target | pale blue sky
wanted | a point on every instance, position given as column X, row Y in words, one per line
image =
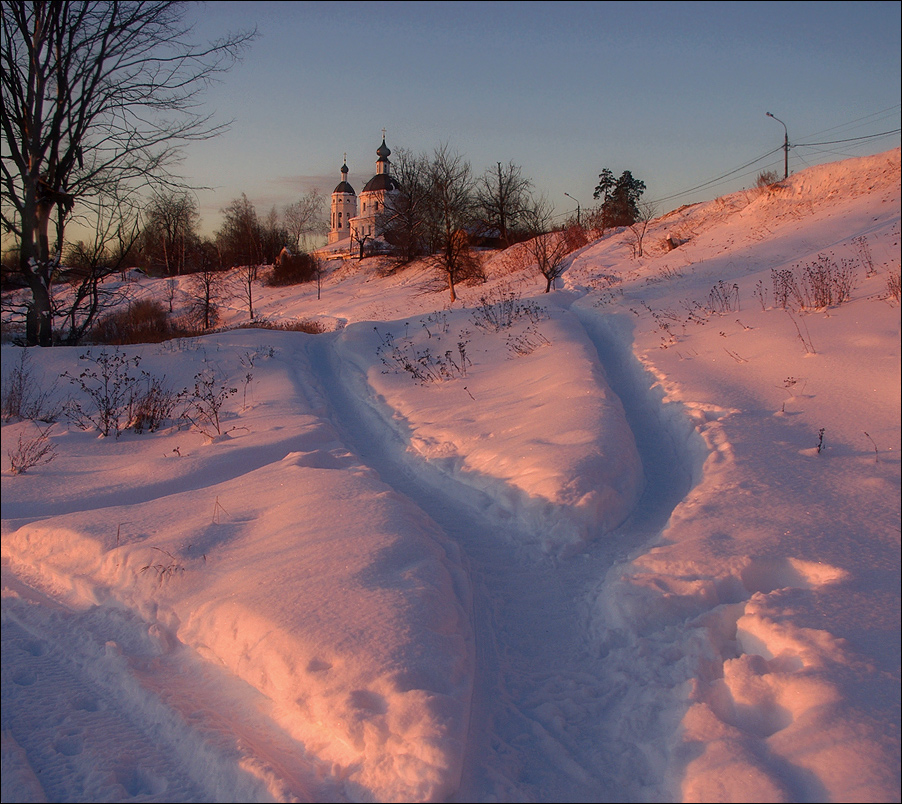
column 675, row 92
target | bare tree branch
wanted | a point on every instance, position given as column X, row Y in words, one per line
column 98, row 99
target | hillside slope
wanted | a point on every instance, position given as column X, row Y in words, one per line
column 640, row 542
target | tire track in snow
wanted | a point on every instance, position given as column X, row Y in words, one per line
column 543, row 697
column 101, row 701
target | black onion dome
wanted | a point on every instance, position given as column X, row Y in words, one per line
column 343, row 186
column 382, row 151
column 382, row 181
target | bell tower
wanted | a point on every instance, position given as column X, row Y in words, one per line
column 343, row 208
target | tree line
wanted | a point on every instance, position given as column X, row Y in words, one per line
column 169, row 243
column 441, row 209
column 99, row 99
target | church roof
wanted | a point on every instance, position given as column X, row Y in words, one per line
column 343, row 187
column 381, row 181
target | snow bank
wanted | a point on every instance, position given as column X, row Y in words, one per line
column 275, row 554
column 751, row 673
column 522, row 414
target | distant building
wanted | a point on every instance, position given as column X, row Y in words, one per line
column 350, row 222
column 344, row 207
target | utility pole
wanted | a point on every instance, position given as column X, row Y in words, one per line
column 785, row 145
column 578, row 223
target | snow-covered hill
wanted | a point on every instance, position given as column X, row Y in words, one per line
column 637, row 539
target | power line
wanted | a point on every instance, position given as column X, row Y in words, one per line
column 792, row 145
column 733, row 172
column 719, row 178
column 852, row 139
column 868, row 117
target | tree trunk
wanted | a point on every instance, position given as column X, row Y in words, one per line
column 37, row 269
column 39, row 320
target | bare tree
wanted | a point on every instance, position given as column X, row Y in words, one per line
column 273, row 237
column 404, row 220
column 240, row 240
column 503, row 199
column 98, row 98
column 449, row 206
column 319, row 271
column 645, row 215
column 89, row 264
column 205, row 289
column 361, row 239
column 170, row 229
column 172, row 286
column 244, row 279
column 304, row 218
column 546, row 248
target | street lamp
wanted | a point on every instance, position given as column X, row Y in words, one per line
column 578, row 223
column 785, row 146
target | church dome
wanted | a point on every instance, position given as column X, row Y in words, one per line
column 382, row 151
column 381, row 181
column 343, row 186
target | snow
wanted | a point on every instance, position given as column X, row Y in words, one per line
column 639, row 542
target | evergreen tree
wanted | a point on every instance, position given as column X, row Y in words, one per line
column 619, row 198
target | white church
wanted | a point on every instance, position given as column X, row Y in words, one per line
column 354, row 219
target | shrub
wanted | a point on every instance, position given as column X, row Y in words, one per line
column 767, row 178
column 526, row 342
column 145, row 321
column 205, row 403
column 724, row 298
column 31, row 451
column 109, row 384
column 826, row 284
column 864, row 255
column 22, row 396
column 421, row 363
column 822, row 283
column 166, row 567
column 575, row 237
column 785, row 287
column 500, row 309
column 118, row 397
column 292, row 269
column 150, row 409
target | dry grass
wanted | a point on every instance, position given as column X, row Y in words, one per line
column 310, row 327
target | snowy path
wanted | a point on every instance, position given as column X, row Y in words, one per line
column 101, row 702
column 90, row 703
column 541, row 725
column 553, row 718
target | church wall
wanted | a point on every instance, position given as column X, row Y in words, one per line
column 344, row 208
